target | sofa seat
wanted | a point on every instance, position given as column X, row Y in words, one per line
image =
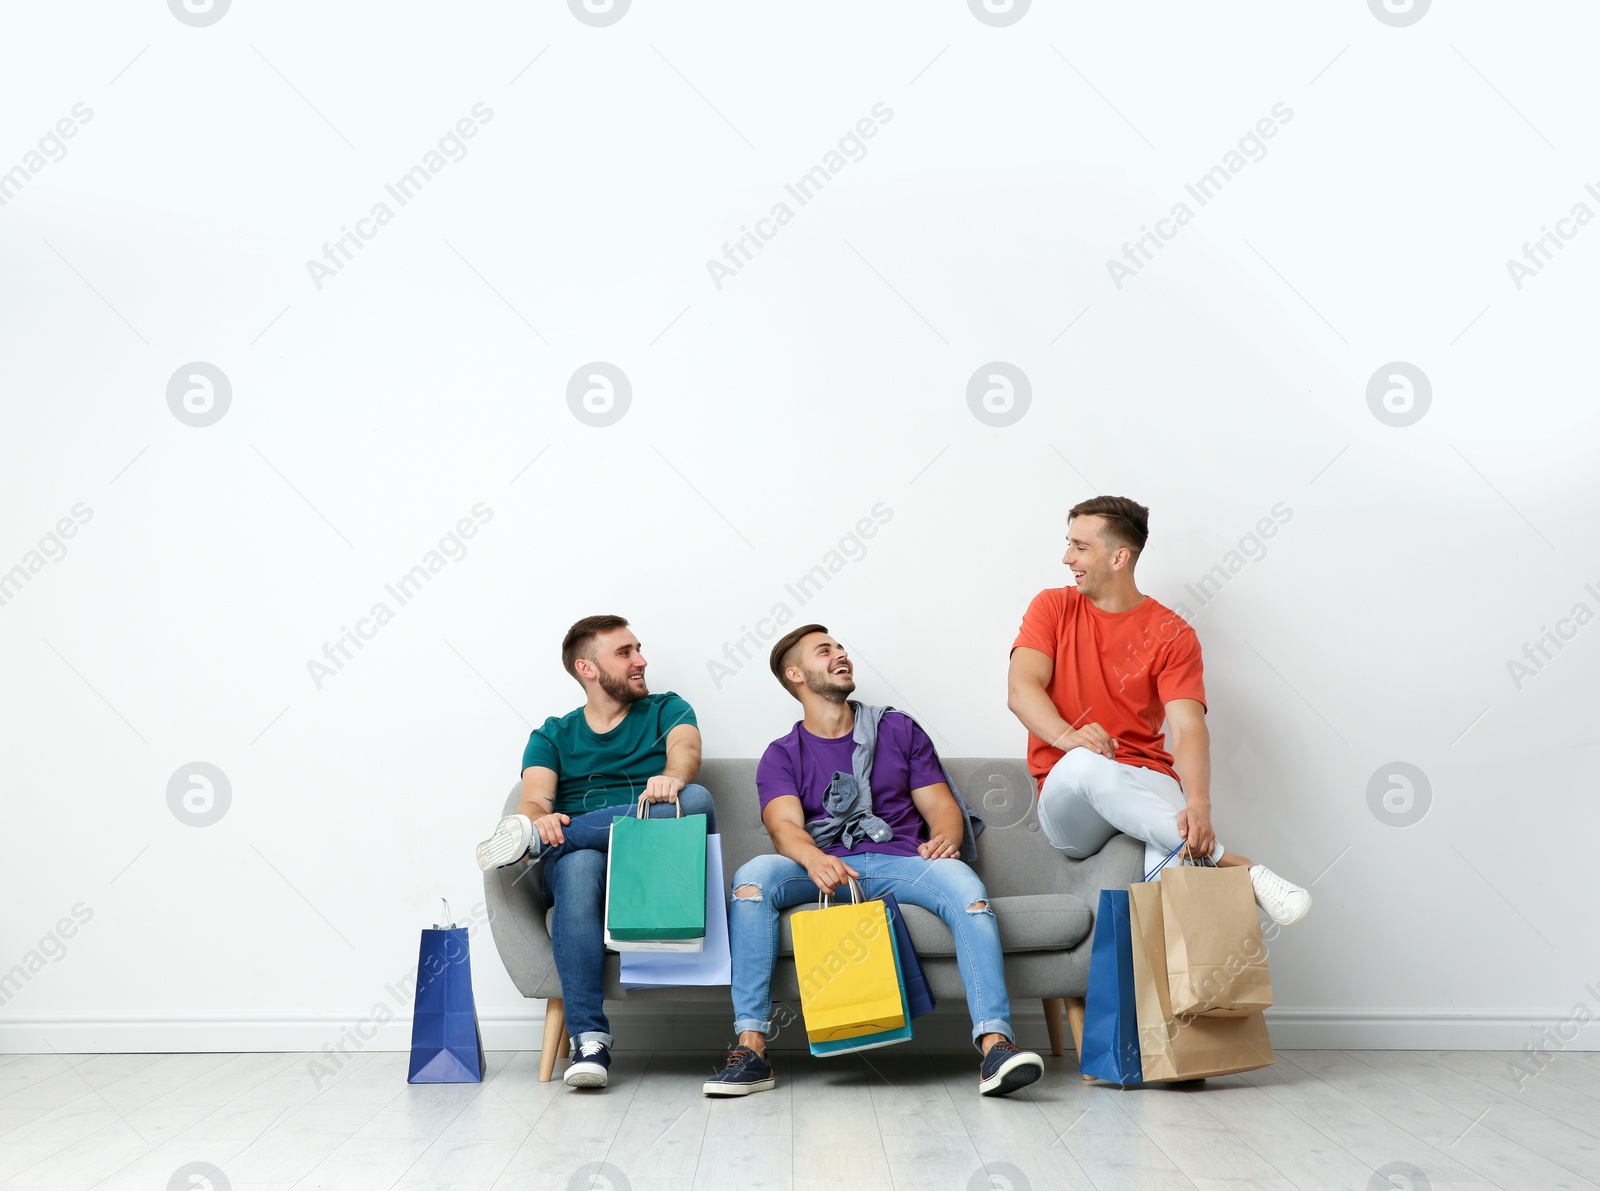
column 1028, row 922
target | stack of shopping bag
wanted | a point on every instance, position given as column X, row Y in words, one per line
column 656, row 883
column 711, row 967
column 1177, row 978
column 860, row 980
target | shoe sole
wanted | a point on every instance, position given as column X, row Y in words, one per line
column 1014, row 1075
column 502, row 848
column 713, row 1088
column 1304, row 910
column 585, row 1075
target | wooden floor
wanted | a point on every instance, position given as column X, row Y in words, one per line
column 1319, row 1119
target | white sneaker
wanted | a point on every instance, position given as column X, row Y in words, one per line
column 1284, row 903
column 508, row 844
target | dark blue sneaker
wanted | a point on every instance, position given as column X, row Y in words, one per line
column 1005, row 1069
column 746, row 1072
column 590, row 1064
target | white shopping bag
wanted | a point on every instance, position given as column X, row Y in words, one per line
column 714, row 965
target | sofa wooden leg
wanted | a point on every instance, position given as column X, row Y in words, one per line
column 1052, row 1023
column 1075, row 1021
column 565, row 1049
column 555, row 1033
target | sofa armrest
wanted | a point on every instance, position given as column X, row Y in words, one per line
column 517, row 919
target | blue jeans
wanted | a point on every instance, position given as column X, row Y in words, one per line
column 947, row 887
column 575, row 885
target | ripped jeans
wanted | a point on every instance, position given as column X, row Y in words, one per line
column 946, row 887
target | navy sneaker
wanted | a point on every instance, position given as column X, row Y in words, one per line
column 590, row 1064
column 1006, row 1069
column 746, row 1072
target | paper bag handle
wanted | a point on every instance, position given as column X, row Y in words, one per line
column 1188, row 858
column 856, row 898
column 446, row 922
column 639, row 811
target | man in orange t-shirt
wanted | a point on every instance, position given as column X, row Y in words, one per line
column 1095, row 670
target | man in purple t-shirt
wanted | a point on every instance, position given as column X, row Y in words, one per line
column 907, row 842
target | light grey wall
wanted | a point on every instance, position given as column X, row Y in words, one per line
column 379, row 410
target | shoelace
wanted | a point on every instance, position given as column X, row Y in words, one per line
column 589, row 1049
column 737, row 1055
column 1271, row 885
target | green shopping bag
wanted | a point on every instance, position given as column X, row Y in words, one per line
column 656, row 879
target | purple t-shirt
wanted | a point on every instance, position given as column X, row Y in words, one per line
column 803, row 764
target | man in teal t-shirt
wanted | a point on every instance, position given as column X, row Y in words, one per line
column 594, row 769
column 579, row 772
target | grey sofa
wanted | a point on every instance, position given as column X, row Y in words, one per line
column 1043, row 902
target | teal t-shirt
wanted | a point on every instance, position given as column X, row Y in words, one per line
column 595, row 769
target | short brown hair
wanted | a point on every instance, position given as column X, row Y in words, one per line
column 582, row 634
column 1127, row 521
column 779, row 659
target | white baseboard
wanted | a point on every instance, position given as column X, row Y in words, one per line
column 663, row 1027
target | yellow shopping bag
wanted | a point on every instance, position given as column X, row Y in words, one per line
column 844, row 957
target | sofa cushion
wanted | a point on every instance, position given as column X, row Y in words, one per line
column 1028, row 922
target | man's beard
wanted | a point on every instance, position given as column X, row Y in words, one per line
column 621, row 689
column 832, row 689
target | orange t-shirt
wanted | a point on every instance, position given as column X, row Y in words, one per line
column 1115, row 669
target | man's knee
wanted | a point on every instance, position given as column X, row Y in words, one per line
column 760, row 874
column 697, row 797
column 1077, row 768
column 960, row 886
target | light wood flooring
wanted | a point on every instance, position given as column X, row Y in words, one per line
column 1349, row 1120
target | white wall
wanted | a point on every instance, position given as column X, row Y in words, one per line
column 428, row 376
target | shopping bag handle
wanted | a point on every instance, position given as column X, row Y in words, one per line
column 826, row 899
column 446, row 922
column 1183, row 846
column 639, row 811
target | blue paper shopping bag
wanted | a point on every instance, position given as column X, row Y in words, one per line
column 1110, row 1023
column 446, row 1046
column 919, row 997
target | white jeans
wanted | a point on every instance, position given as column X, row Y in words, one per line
column 1086, row 799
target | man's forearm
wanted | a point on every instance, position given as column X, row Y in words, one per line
column 1032, row 705
column 795, row 842
column 947, row 821
column 1192, row 759
column 534, row 807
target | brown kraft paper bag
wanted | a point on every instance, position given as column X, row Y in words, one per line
column 1216, row 959
column 1171, row 1047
